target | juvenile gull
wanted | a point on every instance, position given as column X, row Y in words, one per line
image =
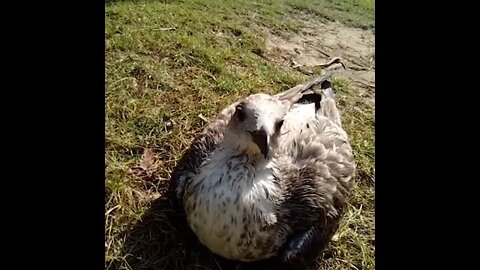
column 269, row 177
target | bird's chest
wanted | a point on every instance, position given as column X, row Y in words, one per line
column 231, row 208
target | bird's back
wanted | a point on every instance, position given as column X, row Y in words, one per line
column 314, row 162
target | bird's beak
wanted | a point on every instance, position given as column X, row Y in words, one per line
column 260, row 138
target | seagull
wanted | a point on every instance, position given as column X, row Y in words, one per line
column 270, row 177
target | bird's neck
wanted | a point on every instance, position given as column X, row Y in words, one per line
column 234, row 169
column 235, row 144
column 248, row 154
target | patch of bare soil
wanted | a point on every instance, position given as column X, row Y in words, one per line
column 318, row 43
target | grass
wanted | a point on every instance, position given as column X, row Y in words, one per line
column 358, row 13
column 159, row 80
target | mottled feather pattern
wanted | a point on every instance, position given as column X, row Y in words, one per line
column 235, row 219
column 317, row 166
column 288, row 207
column 199, row 152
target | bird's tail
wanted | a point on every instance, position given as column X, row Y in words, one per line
column 328, row 106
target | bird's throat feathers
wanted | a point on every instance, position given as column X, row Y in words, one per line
column 241, row 164
column 236, row 145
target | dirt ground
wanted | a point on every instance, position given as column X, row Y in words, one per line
column 319, row 42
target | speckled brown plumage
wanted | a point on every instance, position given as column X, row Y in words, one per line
column 249, row 204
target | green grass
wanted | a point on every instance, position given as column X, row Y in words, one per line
column 358, row 13
column 157, row 83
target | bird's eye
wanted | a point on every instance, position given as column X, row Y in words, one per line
column 278, row 125
column 240, row 113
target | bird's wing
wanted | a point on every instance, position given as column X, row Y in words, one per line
column 315, row 162
column 198, row 152
column 316, row 154
column 295, row 93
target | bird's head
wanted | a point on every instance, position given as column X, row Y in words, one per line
column 257, row 121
